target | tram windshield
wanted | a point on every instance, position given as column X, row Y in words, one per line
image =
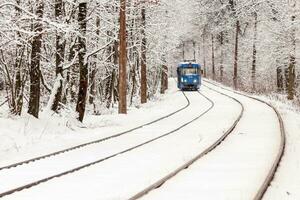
column 189, row 71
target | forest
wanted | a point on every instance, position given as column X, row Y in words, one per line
column 89, row 56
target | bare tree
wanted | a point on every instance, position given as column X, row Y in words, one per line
column 35, row 73
column 83, row 68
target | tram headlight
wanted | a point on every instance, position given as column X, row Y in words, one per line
column 181, row 79
column 195, row 81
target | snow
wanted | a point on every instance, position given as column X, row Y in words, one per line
column 286, row 184
column 128, row 173
column 234, row 170
column 54, row 91
column 26, row 137
column 237, row 168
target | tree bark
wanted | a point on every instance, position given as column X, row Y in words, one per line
column 83, row 80
column 222, row 56
column 204, row 59
column 19, row 82
column 292, row 61
column 253, row 74
column 59, row 56
column 34, row 98
column 122, row 60
column 143, row 60
column 213, row 57
column 164, row 79
column 235, row 67
column 93, row 68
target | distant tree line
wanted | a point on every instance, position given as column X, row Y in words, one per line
column 251, row 45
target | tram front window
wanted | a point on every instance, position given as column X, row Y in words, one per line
column 189, row 71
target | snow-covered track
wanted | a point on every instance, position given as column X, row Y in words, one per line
column 96, row 141
column 43, row 180
column 271, row 174
column 186, row 165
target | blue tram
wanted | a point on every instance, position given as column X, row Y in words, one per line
column 189, row 76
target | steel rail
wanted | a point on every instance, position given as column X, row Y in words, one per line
column 35, row 183
column 95, row 141
column 186, row 165
column 271, row 174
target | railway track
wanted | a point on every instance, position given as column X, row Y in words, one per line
column 186, row 165
column 271, row 174
column 43, row 180
column 96, row 141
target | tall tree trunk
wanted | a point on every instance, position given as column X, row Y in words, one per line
column 213, row 57
column 59, row 58
column 292, row 61
column 235, row 67
column 204, row 59
column 34, row 98
column 143, row 60
column 122, row 60
column 93, row 73
column 19, row 85
column 83, row 80
column 222, row 56
column 253, row 74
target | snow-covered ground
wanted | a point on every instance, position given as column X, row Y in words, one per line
column 237, row 168
column 124, row 175
column 234, row 170
column 286, row 185
column 26, row 137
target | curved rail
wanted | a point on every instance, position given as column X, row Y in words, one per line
column 27, row 186
column 95, row 141
column 161, row 181
column 271, row 174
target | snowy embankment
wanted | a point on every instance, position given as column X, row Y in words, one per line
column 286, row 185
column 26, row 137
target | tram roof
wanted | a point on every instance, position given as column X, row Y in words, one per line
column 188, row 64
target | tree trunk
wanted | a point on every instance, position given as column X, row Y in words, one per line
column 19, row 84
column 292, row 61
column 122, row 60
column 111, row 87
column 143, row 60
column 213, row 57
column 164, row 79
column 34, row 98
column 204, row 60
column 235, row 67
column 253, row 74
column 93, row 69
column 222, row 56
column 83, row 80
column 59, row 56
